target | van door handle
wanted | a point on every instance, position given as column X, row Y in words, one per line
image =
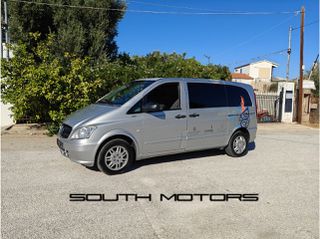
column 194, row 115
column 180, row 116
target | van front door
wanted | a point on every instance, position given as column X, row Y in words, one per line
column 164, row 120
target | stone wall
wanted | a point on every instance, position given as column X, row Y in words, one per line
column 314, row 110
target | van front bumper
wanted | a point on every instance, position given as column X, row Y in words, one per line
column 77, row 150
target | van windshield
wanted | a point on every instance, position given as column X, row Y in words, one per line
column 121, row 95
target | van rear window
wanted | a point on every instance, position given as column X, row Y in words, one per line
column 234, row 95
column 206, row 95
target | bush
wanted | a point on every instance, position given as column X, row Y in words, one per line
column 273, row 87
column 315, row 78
column 45, row 88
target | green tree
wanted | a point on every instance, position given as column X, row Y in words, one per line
column 85, row 32
column 40, row 86
column 158, row 64
column 315, row 78
column 46, row 88
column 155, row 65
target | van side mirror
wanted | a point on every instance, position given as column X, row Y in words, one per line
column 151, row 107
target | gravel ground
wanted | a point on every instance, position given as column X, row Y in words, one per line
column 283, row 168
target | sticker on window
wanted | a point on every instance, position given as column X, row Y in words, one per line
column 244, row 116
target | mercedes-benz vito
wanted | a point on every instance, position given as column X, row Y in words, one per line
column 156, row 117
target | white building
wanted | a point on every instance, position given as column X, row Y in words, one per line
column 6, row 115
column 260, row 71
column 6, row 52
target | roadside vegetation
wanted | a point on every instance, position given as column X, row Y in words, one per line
column 315, row 77
column 67, row 58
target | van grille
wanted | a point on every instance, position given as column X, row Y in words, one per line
column 65, row 131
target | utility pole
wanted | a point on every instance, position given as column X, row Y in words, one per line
column 301, row 66
column 4, row 28
column 289, row 52
column 208, row 58
column 1, row 23
column 5, row 6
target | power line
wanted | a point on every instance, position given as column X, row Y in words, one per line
column 258, row 57
column 308, row 24
column 255, row 36
column 167, row 6
column 188, row 8
column 155, row 12
column 68, row 6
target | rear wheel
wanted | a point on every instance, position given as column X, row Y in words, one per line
column 116, row 156
column 238, row 144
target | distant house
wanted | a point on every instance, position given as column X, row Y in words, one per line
column 242, row 78
column 307, row 84
column 260, row 71
column 278, row 79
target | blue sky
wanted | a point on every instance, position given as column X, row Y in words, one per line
column 230, row 40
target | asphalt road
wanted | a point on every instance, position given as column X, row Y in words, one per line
column 283, row 168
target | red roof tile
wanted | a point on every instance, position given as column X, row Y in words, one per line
column 241, row 76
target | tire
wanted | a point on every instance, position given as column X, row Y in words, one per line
column 116, row 156
column 238, row 144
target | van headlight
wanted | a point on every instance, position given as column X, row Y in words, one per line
column 83, row 132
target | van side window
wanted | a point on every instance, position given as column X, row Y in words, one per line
column 234, row 95
column 136, row 108
column 167, row 96
column 206, row 95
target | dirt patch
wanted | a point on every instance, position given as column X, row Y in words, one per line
column 25, row 129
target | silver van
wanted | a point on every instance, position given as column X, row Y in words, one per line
column 156, row 117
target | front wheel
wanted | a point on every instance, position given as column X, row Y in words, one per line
column 115, row 157
column 238, row 144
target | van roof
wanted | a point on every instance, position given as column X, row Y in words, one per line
column 180, row 79
column 201, row 80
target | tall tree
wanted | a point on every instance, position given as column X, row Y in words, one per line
column 84, row 31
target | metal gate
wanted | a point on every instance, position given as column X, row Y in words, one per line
column 269, row 107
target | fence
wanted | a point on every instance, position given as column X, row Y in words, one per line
column 268, row 107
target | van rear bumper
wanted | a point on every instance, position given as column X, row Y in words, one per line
column 252, row 133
